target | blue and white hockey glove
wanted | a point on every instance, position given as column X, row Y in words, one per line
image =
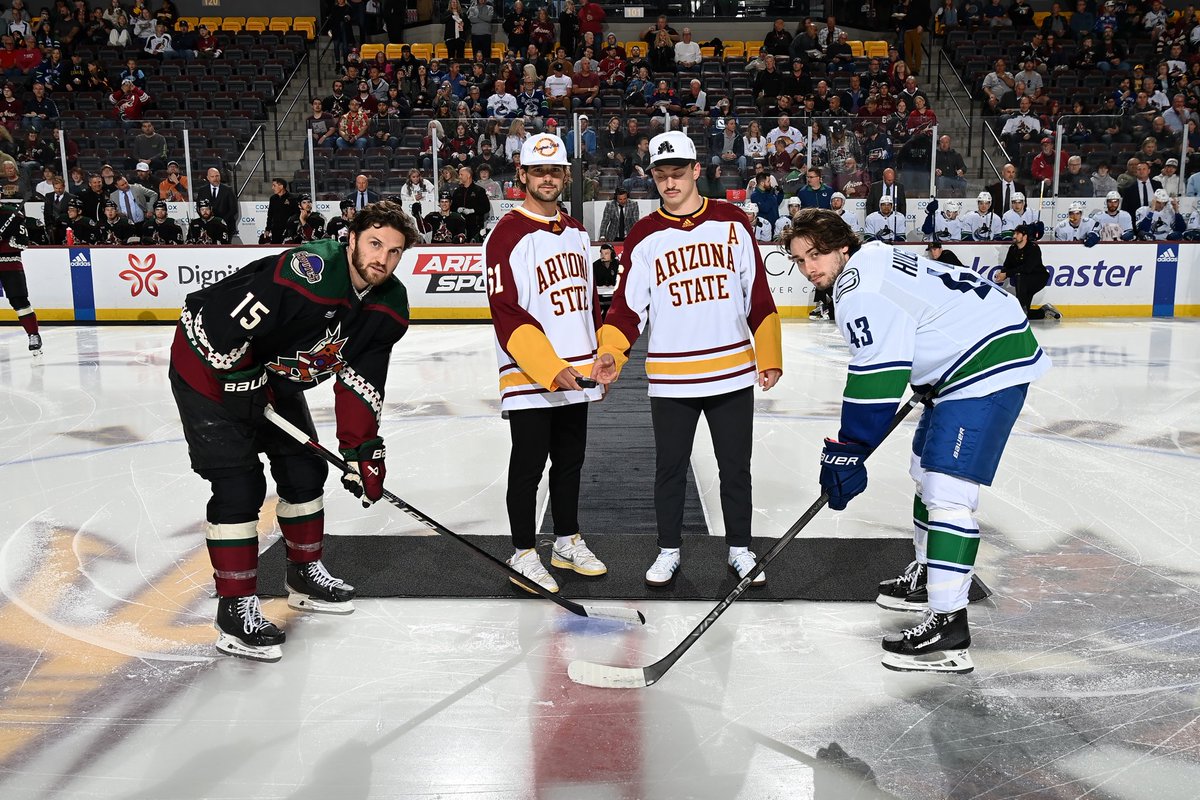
column 932, row 207
column 1145, row 224
column 367, row 471
column 1039, row 229
column 843, row 473
column 1128, row 236
column 244, row 392
column 1091, row 239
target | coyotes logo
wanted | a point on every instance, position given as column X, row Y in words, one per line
column 143, row 276
column 324, row 358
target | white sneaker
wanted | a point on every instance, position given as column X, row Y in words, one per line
column 741, row 564
column 528, row 564
column 576, row 555
column 662, row 571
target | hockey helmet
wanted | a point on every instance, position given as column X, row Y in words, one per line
column 204, row 203
column 1162, row 195
column 793, row 201
column 886, row 200
column 1017, row 197
column 1075, row 208
column 837, row 196
column 953, row 206
column 160, row 204
column 984, row 197
column 304, row 198
column 1113, row 195
column 750, row 208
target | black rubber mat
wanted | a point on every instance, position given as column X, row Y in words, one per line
column 438, row 566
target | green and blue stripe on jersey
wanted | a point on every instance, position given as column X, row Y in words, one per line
column 870, row 398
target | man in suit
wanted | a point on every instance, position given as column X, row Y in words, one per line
column 55, row 208
column 1141, row 191
column 133, row 200
column 1003, row 189
column 362, row 195
column 619, row 216
column 892, row 189
column 224, row 204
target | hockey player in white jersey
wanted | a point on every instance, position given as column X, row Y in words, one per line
column 983, row 224
column 1076, row 227
column 909, row 320
column 885, row 225
column 785, row 220
column 837, row 204
column 1161, row 219
column 763, row 230
column 1112, row 223
column 944, row 225
column 1021, row 214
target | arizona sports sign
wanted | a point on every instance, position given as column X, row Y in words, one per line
column 447, row 271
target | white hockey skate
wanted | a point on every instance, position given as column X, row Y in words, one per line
column 244, row 632
column 35, row 345
column 311, row 588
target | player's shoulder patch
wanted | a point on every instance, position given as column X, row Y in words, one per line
column 848, row 281
column 318, row 267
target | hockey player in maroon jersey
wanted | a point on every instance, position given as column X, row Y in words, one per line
column 694, row 272
column 545, row 310
column 268, row 332
column 14, row 237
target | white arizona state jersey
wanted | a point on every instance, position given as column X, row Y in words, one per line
column 544, row 307
column 699, row 281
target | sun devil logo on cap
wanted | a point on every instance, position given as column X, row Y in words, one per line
column 665, row 147
column 545, row 147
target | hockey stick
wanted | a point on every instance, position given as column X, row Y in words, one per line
column 595, row 612
column 606, row 676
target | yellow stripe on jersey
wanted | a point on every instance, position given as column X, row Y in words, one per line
column 613, row 342
column 700, row 366
column 518, row 377
column 535, row 356
column 768, row 343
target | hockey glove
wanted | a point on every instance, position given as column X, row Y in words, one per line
column 1128, row 236
column 244, row 392
column 843, row 473
column 931, row 207
column 1091, row 239
column 367, row 471
column 1039, row 229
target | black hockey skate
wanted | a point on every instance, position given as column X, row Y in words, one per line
column 907, row 591
column 35, row 344
column 311, row 588
column 938, row 644
column 245, row 633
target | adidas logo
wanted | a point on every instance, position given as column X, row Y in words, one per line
column 81, row 260
column 1168, row 254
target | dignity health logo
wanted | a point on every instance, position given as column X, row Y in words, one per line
column 143, row 276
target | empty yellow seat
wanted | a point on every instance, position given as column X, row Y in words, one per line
column 422, row 51
column 752, row 49
column 856, row 49
column 735, row 49
column 305, row 25
column 367, row 51
column 440, row 51
column 280, row 24
column 233, row 24
column 212, row 23
column 257, row 24
column 876, row 49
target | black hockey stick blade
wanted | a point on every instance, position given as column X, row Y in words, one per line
column 606, row 676
column 595, row 612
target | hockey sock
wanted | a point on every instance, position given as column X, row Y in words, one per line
column 303, row 526
column 28, row 320
column 920, row 528
column 953, row 544
column 233, row 550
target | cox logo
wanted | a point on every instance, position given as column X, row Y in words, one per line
column 143, row 276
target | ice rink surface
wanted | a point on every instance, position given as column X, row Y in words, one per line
column 1087, row 681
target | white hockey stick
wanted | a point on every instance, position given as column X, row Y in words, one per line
column 607, row 676
column 596, row 612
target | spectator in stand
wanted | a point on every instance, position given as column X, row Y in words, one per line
column 1072, row 182
column 999, row 81
column 129, row 102
column 995, row 15
column 142, row 176
column 613, row 70
column 839, row 57
column 878, row 149
column 1178, row 115
column 28, row 59
column 619, row 216
column 515, row 139
column 1022, row 127
column 541, row 32
column 1102, row 181
column 946, row 18
column 687, row 53
column 591, row 19
column 11, row 108
column 585, row 88
column 159, row 45
column 174, row 187
column 768, row 85
column 912, row 31
column 767, row 196
column 1030, row 77
column 1042, row 168
column 728, row 148
column 804, row 45
column 636, row 171
column 921, row 118
column 1021, row 14
column 207, row 45
column 662, row 53
column 829, row 34
column 352, row 127
column 694, row 103
column 557, row 87
column 41, row 112
column 149, row 146
column 815, row 193
column 502, row 104
column 1169, row 177
column 322, row 124
column 481, row 15
column 517, row 26
column 1112, row 53
column 778, row 40
column 568, row 26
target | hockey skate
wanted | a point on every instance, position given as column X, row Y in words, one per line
column 529, row 564
column 35, row 344
column 905, row 592
column 244, row 632
column 311, row 588
column 576, row 556
column 742, row 563
column 939, row 644
column 1051, row 312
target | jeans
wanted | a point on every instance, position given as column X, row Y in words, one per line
column 360, row 143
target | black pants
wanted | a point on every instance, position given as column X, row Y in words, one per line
column 456, row 49
column 559, row 432
column 1026, row 286
column 731, row 422
column 15, row 288
column 482, row 44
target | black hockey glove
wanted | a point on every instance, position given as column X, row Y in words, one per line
column 367, row 470
column 244, row 392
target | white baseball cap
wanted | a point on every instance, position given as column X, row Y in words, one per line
column 543, row 148
column 672, row 148
column 1162, row 195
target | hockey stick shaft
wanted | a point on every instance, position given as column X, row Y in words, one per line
column 614, row 613
column 622, row 677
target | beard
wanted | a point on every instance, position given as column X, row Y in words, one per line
column 364, row 271
column 545, row 195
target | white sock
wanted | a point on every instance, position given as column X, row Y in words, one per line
column 668, row 550
column 737, row 551
column 518, row 551
column 563, row 541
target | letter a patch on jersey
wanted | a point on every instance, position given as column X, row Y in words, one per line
column 733, row 237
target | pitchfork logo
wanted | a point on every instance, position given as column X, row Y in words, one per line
column 143, row 276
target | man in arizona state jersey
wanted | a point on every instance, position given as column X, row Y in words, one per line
column 159, row 228
column 545, row 310
column 208, row 228
column 270, row 331
column 911, row 320
column 694, row 272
